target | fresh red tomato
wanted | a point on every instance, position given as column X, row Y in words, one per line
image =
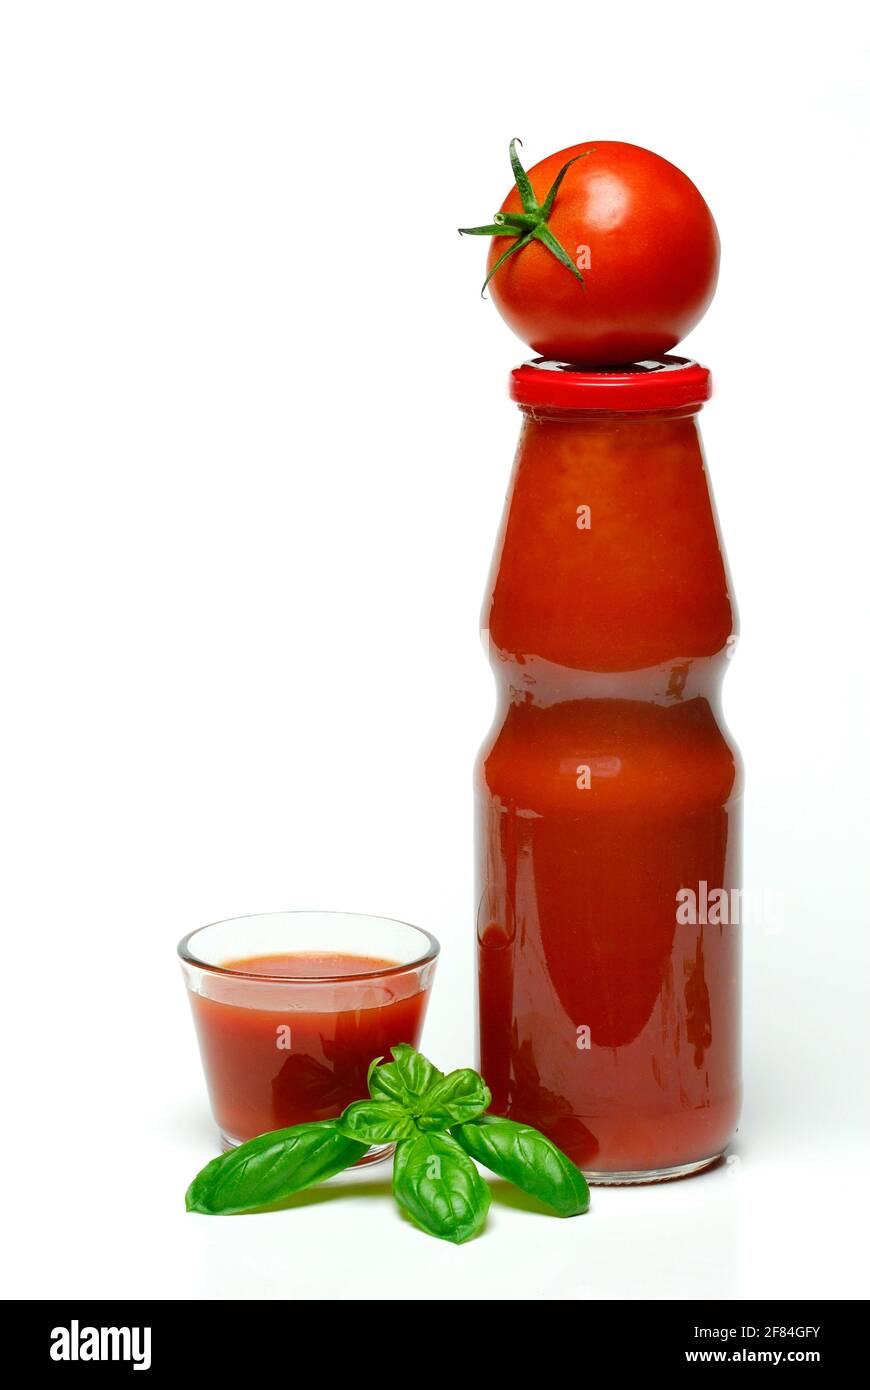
column 618, row 264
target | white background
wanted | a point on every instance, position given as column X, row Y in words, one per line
column 255, row 441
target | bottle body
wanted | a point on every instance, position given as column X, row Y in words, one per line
column 608, row 801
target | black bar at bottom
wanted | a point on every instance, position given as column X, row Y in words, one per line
column 246, row 1337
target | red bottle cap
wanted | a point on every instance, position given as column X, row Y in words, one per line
column 659, row 383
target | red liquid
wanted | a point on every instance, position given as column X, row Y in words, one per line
column 279, row 1054
column 309, row 965
column 608, row 648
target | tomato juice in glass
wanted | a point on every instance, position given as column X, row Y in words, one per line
column 290, row 1009
column 609, row 790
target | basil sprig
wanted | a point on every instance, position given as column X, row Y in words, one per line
column 438, row 1125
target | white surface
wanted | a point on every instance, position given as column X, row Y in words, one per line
column 255, row 441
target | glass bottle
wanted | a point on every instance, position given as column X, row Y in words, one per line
column 609, row 790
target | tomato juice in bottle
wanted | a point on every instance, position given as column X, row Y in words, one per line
column 608, row 790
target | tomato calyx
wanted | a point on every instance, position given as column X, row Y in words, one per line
column 532, row 223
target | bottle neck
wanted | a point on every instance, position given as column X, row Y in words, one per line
column 609, row 561
column 558, row 414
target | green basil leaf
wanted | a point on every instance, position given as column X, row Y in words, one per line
column 373, row 1066
column 406, row 1079
column 528, row 1159
column 271, row 1167
column 437, row 1184
column 457, row 1097
column 417, row 1073
column 376, row 1122
column 385, row 1083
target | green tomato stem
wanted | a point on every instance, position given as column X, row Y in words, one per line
column 532, row 224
